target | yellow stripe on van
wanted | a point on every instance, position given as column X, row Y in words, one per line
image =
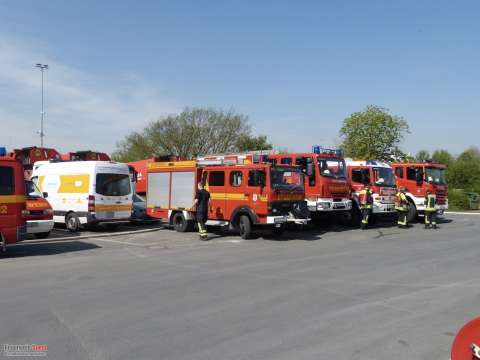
column 12, row 199
column 100, row 207
column 74, row 184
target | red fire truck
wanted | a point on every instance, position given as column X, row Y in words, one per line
column 12, row 200
column 381, row 179
column 85, row 156
column 326, row 186
column 418, row 178
column 245, row 193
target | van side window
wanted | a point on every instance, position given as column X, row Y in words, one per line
column 236, row 178
column 399, row 172
column 7, row 183
column 256, row 178
column 216, row 178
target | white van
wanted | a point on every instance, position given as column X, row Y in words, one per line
column 85, row 192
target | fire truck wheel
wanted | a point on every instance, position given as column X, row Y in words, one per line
column 180, row 224
column 72, row 222
column 245, row 227
column 42, row 235
column 412, row 212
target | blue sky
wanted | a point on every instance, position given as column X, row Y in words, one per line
column 296, row 68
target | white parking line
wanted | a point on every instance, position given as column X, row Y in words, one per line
column 126, row 242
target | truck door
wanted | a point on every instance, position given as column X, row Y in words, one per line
column 216, row 187
column 236, row 195
column 255, row 191
column 12, row 202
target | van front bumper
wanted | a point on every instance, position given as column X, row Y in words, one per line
column 39, row 226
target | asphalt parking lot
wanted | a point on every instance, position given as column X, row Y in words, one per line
column 383, row 293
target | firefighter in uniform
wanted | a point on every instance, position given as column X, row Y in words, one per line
column 402, row 206
column 430, row 210
column 365, row 200
column 202, row 204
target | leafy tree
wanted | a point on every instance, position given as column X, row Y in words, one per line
column 422, row 155
column 373, row 134
column 193, row 132
column 253, row 143
column 443, row 157
column 464, row 172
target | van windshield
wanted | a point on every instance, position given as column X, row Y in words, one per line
column 32, row 190
column 113, row 184
column 287, row 178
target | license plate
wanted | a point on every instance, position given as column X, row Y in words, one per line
column 280, row 220
column 338, row 206
column 32, row 224
column 110, row 214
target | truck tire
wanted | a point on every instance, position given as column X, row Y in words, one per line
column 72, row 222
column 245, row 227
column 181, row 224
column 412, row 212
column 42, row 235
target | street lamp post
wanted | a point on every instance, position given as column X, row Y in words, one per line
column 42, row 68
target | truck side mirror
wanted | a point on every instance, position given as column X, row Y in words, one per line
column 45, row 195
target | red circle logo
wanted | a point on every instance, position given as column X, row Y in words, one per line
column 467, row 343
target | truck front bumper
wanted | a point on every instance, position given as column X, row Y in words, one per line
column 383, row 208
column 324, row 205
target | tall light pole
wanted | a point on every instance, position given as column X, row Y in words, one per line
column 42, row 68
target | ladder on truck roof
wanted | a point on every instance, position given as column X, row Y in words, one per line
column 253, row 157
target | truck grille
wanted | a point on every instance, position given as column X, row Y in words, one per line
column 441, row 197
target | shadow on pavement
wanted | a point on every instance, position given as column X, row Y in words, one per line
column 53, row 248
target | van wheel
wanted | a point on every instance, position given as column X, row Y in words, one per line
column 245, row 227
column 181, row 224
column 72, row 222
column 412, row 212
column 42, row 235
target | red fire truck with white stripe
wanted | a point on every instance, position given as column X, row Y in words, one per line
column 381, row 179
column 326, row 186
column 245, row 192
column 419, row 177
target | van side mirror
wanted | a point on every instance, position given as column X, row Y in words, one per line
column 45, row 195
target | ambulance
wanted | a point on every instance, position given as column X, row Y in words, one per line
column 85, row 192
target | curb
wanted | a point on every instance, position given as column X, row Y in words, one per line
column 92, row 236
column 461, row 213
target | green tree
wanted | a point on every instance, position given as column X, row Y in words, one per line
column 443, row 157
column 464, row 172
column 253, row 143
column 422, row 155
column 373, row 134
column 193, row 132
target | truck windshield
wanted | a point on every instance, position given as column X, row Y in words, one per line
column 436, row 176
column 384, row 177
column 32, row 190
column 332, row 168
column 113, row 184
column 288, row 178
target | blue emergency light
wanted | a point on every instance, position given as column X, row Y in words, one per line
column 3, row 151
column 317, row 149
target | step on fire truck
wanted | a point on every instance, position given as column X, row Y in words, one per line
column 419, row 177
column 245, row 192
column 12, row 200
column 326, row 186
column 381, row 179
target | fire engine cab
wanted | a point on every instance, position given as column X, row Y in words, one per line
column 326, row 185
column 381, row 179
column 245, row 193
column 12, row 200
column 418, row 178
